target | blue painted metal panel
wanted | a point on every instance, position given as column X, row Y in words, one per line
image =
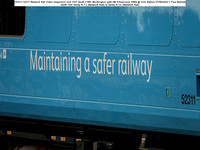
column 139, row 117
column 51, row 24
column 149, row 26
column 190, row 24
column 98, row 25
column 37, row 108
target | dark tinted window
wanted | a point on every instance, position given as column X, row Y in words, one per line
column 12, row 19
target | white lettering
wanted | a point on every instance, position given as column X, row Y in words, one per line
column 65, row 61
column 33, row 63
column 149, row 70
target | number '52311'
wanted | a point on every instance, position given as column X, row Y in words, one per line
column 188, row 99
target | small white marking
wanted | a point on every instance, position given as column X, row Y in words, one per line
column 4, row 54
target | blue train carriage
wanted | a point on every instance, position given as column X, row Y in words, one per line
column 123, row 68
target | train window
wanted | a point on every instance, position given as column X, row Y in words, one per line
column 12, row 19
column 189, row 30
column 98, row 25
column 148, row 25
column 51, row 24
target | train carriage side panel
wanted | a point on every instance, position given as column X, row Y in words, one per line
column 131, row 68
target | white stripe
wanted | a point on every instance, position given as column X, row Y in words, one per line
column 43, row 98
column 102, row 103
column 101, row 52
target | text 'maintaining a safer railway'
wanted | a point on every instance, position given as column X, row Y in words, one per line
column 98, row 64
